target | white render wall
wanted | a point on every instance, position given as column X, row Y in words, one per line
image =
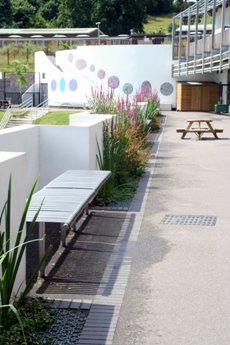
column 14, row 164
column 76, row 71
column 23, row 139
column 28, row 152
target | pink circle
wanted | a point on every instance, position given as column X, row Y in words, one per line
column 81, row 64
column 146, row 89
column 101, row 74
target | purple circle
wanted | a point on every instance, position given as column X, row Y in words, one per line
column 81, row 64
column 146, row 89
column 127, row 88
column 73, row 85
column 92, row 68
column 101, row 74
column 113, row 82
column 53, row 85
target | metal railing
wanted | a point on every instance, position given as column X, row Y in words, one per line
column 6, row 118
column 11, row 110
column 38, row 111
column 202, row 65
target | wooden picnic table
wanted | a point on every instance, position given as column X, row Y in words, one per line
column 199, row 127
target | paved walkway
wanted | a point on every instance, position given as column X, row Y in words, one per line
column 158, row 274
column 178, row 290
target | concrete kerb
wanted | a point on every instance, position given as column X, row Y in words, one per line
column 108, row 301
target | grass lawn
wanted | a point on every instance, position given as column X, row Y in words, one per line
column 2, row 112
column 158, row 24
column 59, row 117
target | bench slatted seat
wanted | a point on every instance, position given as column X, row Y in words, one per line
column 64, row 200
column 180, row 130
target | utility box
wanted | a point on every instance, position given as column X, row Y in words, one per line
column 197, row 96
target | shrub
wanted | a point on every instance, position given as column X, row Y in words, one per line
column 10, row 261
column 102, row 103
column 125, row 151
column 36, row 315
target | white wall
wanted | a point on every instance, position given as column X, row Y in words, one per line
column 46, row 151
column 70, row 147
column 79, row 70
column 23, row 139
column 14, row 164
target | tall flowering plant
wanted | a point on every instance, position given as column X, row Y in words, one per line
column 102, row 102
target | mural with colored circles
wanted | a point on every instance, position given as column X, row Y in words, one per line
column 82, row 70
column 113, row 81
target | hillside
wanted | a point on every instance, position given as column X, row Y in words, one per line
column 158, row 24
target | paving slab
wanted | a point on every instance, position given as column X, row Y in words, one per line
column 178, row 291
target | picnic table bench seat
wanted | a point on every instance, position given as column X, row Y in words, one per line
column 199, row 127
column 64, row 200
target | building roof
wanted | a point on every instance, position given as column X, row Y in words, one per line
column 47, row 32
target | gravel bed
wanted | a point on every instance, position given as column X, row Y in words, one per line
column 67, row 327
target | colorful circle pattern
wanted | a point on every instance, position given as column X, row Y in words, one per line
column 113, row 82
column 127, row 88
column 146, row 89
column 81, row 64
column 70, row 57
column 166, row 89
column 53, row 85
column 73, row 85
column 101, row 74
column 62, row 84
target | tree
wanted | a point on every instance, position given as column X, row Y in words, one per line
column 151, row 6
column 75, row 13
column 164, row 6
column 49, row 10
column 23, row 13
column 5, row 13
column 119, row 16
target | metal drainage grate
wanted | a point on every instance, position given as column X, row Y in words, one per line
column 172, row 219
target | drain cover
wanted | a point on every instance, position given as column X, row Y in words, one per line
column 172, row 219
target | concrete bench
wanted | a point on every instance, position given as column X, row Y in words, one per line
column 64, row 200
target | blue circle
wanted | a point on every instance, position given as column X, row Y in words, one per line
column 166, row 89
column 73, row 85
column 92, row 68
column 127, row 88
column 53, row 85
column 62, row 84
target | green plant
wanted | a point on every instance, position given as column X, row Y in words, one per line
column 10, row 260
column 36, row 314
column 102, row 103
column 125, row 155
column 20, row 70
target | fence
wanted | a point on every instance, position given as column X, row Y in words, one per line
column 11, row 89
